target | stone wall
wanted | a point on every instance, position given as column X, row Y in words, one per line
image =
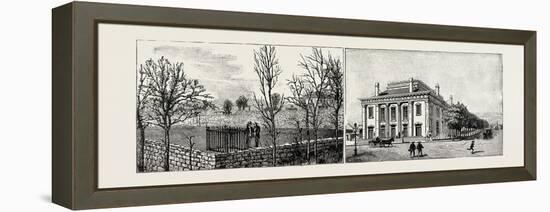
column 179, row 157
column 328, row 151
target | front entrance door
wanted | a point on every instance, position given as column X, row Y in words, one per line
column 392, row 131
column 418, row 129
column 370, row 134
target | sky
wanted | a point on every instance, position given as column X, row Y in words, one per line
column 471, row 78
column 226, row 70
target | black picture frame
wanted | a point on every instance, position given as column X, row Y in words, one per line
column 74, row 104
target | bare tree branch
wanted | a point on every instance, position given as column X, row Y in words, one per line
column 268, row 103
column 173, row 97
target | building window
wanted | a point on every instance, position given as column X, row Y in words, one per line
column 405, row 113
column 418, row 109
column 418, row 129
column 437, row 130
column 370, row 112
column 370, row 133
column 393, row 132
column 393, row 113
column 383, row 114
column 382, row 131
column 405, row 131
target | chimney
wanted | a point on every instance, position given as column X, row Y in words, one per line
column 377, row 89
column 437, row 88
column 451, row 99
column 411, row 80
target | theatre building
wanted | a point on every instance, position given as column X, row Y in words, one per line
column 406, row 109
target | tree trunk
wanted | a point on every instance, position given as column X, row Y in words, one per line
column 167, row 149
column 308, row 137
column 315, row 137
column 336, row 128
column 274, row 154
column 274, row 141
column 316, row 131
column 190, row 156
column 141, row 165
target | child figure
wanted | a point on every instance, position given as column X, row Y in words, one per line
column 472, row 147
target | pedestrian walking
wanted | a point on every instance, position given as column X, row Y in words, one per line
column 257, row 131
column 412, row 149
column 419, row 147
column 472, row 145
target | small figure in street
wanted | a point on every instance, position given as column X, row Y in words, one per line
column 257, row 131
column 412, row 149
column 419, row 147
column 472, row 145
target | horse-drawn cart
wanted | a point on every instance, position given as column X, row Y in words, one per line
column 386, row 142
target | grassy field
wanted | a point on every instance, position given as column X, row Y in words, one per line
column 178, row 135
column 432, row 150
column 286, row 122
column 285, row 119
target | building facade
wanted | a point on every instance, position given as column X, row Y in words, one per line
column 405, row 109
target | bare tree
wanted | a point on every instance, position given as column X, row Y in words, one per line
column 316, row 78
column 266, row 66
column 335, row 90
column 174, row 97
column 301, row 97
column 142, row 121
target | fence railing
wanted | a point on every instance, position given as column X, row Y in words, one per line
column 226, row 139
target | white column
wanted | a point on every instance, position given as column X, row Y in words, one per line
column 376, row 120
column 398, row 117
column 387, row 118
column 442, row 132
column 427, row 116
column 364, row 119
column 412, row 133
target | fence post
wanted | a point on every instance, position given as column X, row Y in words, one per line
column 207, row 139
column 226, row 141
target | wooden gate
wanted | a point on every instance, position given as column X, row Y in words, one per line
column 226, row 139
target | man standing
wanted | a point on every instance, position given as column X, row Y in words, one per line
column 247, row 132
column 412, row 149
column 257, row 131
column 419, row 147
